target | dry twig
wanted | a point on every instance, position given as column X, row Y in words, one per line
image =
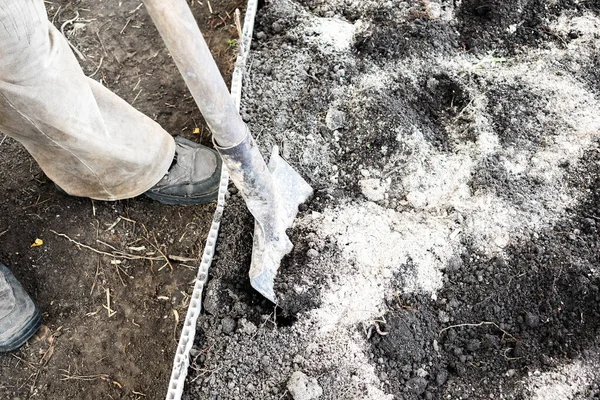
column 111, row 312
column 479, row 324
column 62, row 30
column 116, row 254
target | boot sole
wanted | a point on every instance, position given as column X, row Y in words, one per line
column 186, row 201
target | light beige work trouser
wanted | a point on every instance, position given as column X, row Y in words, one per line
column 85, row 138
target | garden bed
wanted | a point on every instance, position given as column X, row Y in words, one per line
column 451, row 247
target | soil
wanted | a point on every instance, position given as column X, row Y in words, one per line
column 82, row 351
column 451, row 247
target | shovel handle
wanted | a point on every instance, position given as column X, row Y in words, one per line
column 180, row 32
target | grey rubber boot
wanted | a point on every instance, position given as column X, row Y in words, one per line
column 19, row 316
column 192, row 179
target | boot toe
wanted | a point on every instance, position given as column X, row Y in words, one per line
column 20, row 318
column 193, row 180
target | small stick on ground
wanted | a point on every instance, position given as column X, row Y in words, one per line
column 160, row 251
column 116, row 254
column 137, row 8
column 479, row 324
column 176, row 315
column 262, row 326
column 56, row 14
column 95, row 277
column 127, row 219
column 284, row 394
column 238, row 23
column 94, row 73
column 67, row 377
column 182, row 259
column 101, row 43
column 111, row 312
column 136, row 96
column 62, row 30
column 126, row 23
column 107, row 245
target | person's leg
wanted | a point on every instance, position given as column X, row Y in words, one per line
column 47, row 104
column 89, row 141
column 19, row 317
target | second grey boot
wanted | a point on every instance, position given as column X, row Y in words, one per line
column 19, row 316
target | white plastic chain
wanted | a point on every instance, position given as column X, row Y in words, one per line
column 186, row 340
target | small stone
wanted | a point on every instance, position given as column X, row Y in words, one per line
column 417, row 385
column 261, row 35
column 335, row 119
column 373, row 189
column 228, row 325
column 298, row 359
column 422, row 373
column 502, row 241
column 532, row 320
column 546, row 360
column 265, row 361
column 277, row 27
column 510, row 372
column 302, row 387
column 473, row 345
column 441, row 377
column 432, row 83
column 443, row 317
column 312, row 253
column 210, row 303
column 246, row 327
column 454, row 263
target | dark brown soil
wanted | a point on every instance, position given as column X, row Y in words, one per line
column 83, row 353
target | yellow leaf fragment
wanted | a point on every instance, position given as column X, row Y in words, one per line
column 37, row 243
column 196, row 131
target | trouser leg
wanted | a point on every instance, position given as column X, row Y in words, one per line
column 84, row 137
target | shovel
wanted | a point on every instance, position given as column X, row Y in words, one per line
column 272, row 194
